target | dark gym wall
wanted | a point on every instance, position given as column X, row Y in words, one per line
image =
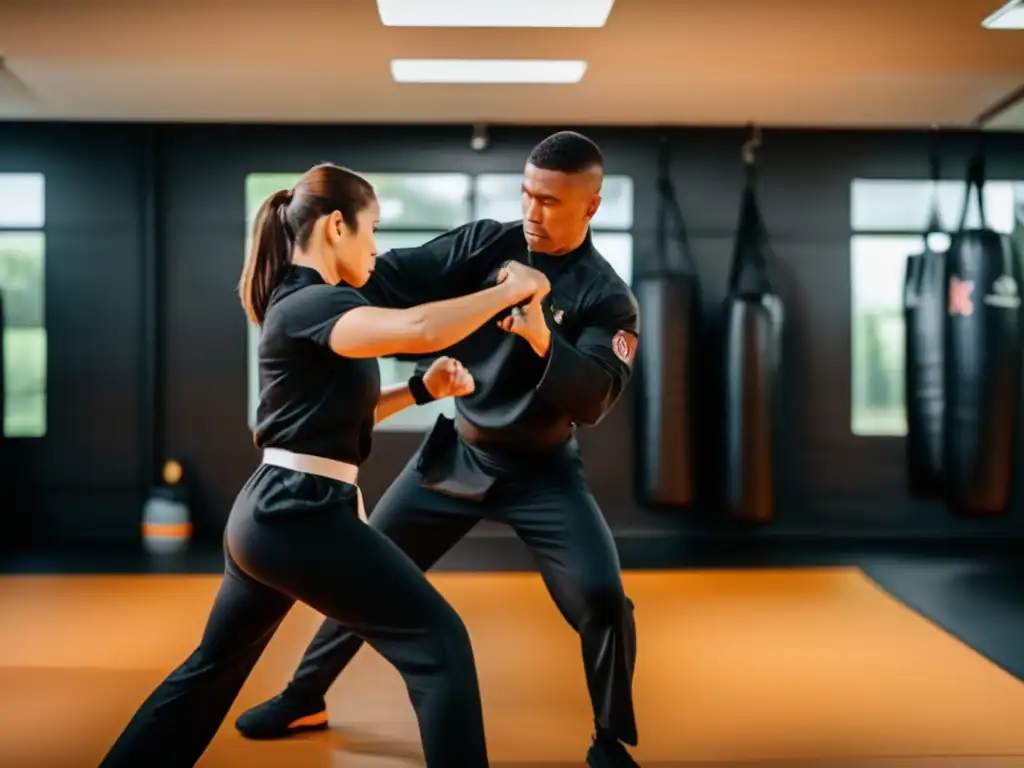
column 81, row 480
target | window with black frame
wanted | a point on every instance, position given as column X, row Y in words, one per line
column 23, row 284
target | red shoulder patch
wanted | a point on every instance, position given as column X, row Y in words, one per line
column 624, row 346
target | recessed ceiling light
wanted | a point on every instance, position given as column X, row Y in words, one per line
column 502, row 71
column 1010, row 16
column 494, row 13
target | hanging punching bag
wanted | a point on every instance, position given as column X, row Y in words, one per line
column 983, row 361
column 670, row 304
column 924, row 313
column 752, row 334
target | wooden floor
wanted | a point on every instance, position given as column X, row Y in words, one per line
column 733, row 666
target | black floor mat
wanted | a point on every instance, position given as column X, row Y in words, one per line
column 978, row 601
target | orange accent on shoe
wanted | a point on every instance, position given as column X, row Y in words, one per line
column 309, row 721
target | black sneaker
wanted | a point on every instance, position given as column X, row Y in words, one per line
column 609, row 753
column 286, row 714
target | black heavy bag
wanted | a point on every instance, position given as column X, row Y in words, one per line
column 670, row 303
column 983, row 361
column 752, row 348
column 924, row 316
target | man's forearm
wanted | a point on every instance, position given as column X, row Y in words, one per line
column 393, row 399
column 575, row 385
column 439, row 270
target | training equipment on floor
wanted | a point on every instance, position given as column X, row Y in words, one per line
column 670, row 306
column 166, row 519
column 982, row 360
column 924, row 313
column 752, row 322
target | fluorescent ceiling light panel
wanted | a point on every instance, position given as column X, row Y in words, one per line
column 489, row 71
column 494, row 13
column 1010, row 16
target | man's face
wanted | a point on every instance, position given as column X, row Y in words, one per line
column 558, row 207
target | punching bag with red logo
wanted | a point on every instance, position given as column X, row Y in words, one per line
column 670, row 305
column 924, row 315
column 752, row 333
column 982, row 360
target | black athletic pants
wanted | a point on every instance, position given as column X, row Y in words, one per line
column 293, row 536
column 546, row 500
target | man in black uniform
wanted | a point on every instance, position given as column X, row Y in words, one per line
column 510, row 454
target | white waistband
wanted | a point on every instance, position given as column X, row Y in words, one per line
column 317, row 465
column 313, row 465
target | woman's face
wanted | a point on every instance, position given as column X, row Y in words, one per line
column 354, row 251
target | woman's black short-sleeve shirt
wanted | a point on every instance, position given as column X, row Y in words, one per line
column 311, row 400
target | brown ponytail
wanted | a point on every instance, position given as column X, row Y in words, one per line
column 286, row 220
column 269, row 257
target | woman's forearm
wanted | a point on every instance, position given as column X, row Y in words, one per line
column 393, row 399
column 445, row 323
column 369, row 331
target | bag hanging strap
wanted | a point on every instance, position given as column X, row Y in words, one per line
column 749, row 271
column 668, row 207
column 935, row 168
column 975, row 181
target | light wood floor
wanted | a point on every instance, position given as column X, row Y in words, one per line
column 733, row 666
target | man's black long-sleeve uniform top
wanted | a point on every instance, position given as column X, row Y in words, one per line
column 592, row 314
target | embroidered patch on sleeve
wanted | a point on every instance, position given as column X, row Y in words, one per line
column 624, row 346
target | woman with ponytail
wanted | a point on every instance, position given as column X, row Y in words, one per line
column 295, row 532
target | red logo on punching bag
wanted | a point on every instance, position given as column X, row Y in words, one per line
column 960, row 302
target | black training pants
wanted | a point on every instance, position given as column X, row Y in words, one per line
column 546, row 500
column 293, row 536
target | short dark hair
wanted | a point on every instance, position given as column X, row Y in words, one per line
column 286, row 219
column 567, row 152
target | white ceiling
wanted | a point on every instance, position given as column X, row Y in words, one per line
column 845, row 63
